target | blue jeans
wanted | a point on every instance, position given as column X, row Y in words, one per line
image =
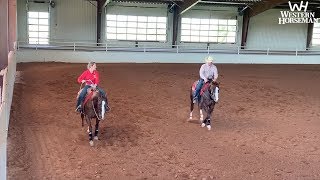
column 198, row 88
column 84, row 93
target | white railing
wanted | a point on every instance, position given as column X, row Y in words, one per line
column 158, row 47
column 6, row 100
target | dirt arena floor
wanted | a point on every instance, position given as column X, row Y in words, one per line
column 266, row 125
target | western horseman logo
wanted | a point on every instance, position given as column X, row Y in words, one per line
column 299, row 16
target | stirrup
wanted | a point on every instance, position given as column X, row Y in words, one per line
column 194, row 100
column 79, row 109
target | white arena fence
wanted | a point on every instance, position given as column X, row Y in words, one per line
column 157, row 47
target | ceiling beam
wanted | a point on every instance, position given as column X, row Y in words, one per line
column 262, row 6
column 105, row 3
column 186, row 5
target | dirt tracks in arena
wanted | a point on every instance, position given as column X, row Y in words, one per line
column 266, row 125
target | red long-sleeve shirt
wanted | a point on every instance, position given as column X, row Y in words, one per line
column 87, row 75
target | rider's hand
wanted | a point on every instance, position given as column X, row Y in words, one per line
column 205, row 80
column 93, row 86
column 83, row 81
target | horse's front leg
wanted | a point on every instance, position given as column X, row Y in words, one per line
column 203, row 121
column 208, row 118
column 201, row 116
column 200, row 106
column 97, row 129
column 90, row 130
column 207, row 122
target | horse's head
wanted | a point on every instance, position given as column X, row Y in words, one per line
column 100, row 104
column 214, row 90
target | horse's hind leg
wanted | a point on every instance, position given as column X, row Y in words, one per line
column 191, row 105
column 191, row 110
column 97, row 129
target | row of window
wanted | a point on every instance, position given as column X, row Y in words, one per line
column 136, row 28
column 316, row 34
column 150, row 28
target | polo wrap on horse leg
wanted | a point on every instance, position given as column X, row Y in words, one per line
column 90, row 135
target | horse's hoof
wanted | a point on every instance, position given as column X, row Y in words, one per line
column 203, row 125
column 209, row 127
column 91, row 143
column 96, row 138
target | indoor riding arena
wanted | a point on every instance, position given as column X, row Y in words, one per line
column 264, row 125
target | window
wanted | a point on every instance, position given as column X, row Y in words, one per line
column 208, row 30
column 38, row 27
column 136, row 28
column 316, row 34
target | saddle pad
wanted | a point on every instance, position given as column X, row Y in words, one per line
column 87, row 98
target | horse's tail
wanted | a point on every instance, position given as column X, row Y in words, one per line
column 82, row 117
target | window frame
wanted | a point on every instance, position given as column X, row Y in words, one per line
column 316, row 26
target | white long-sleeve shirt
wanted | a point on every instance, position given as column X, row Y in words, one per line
column 207, row 71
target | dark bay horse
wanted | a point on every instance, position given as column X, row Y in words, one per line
column 95, row 108
column 209, row 96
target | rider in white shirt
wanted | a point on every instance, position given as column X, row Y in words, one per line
column 207, row 71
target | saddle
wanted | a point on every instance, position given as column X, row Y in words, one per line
column 89, row 95
column 203, row 89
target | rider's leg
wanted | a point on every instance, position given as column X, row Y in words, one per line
column 81, row 97
column 198, row 88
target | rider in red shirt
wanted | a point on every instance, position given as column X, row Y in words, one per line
column 91, row 78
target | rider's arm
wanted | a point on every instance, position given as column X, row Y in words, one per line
column 215, row 73
column 201, row 72
column 82, row 77
column 97, row 81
